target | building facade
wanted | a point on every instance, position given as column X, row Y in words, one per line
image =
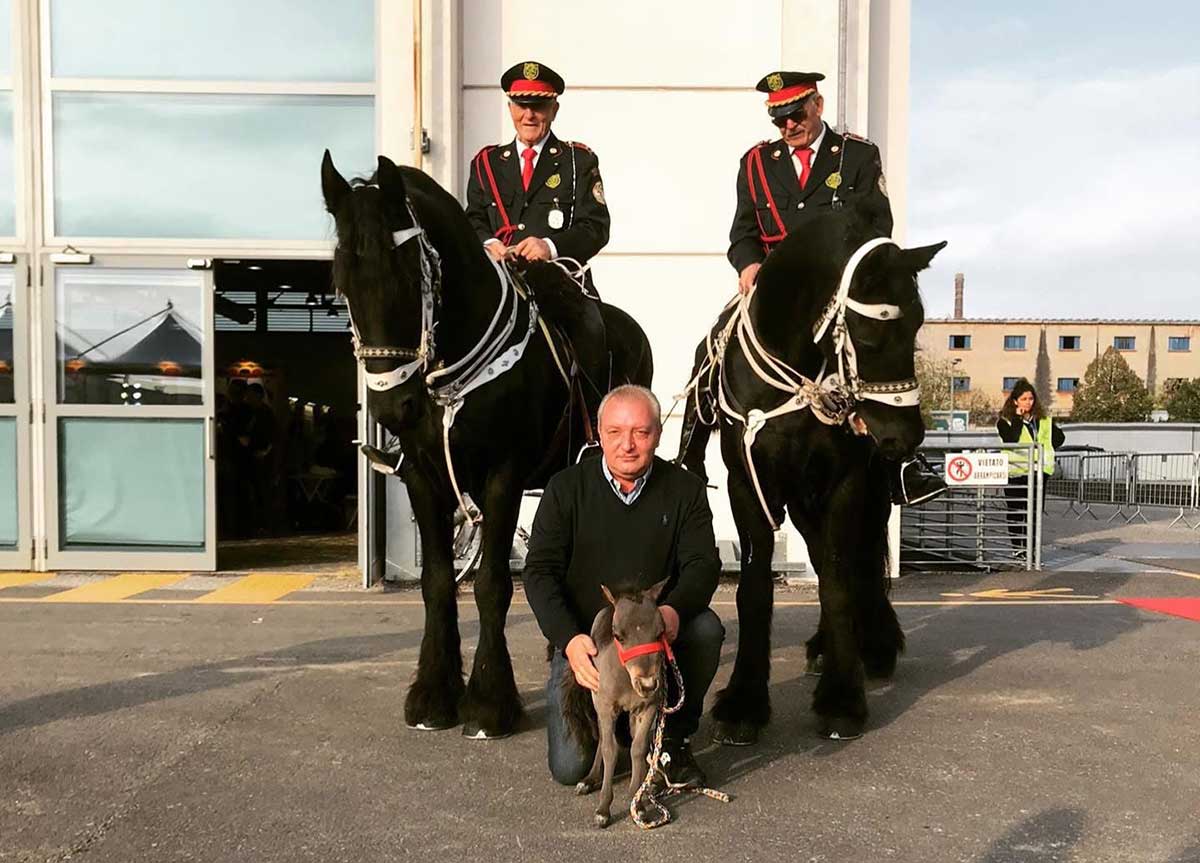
column 146, row 148
column 992, row 354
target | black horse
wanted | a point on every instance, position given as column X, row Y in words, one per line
column 811, row 380
column 461, row 372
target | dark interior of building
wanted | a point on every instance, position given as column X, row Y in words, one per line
column 285, row 383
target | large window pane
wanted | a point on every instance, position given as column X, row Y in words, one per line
column 8, row 188
column 129, row 337
column 248, row 40
column 8, row 481
column 131, row 482
column 210, row 167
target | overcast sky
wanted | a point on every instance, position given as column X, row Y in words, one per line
column 1056, row 146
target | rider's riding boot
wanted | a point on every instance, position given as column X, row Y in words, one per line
column 680, row 766
column 914, row 482
column 693, row 441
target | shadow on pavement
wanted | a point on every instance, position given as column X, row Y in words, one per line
column 1049, row 835
column 121, row 694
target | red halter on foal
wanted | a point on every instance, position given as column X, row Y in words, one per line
column 660, row 646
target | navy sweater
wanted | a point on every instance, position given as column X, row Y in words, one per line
column 585, row 536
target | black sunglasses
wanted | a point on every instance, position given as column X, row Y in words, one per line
column 796, row 116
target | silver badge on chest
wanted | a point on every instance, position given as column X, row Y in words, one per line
column 555, row 221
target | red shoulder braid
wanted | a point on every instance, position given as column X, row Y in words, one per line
column 579, row 145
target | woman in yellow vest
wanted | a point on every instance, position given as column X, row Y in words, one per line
column 1022, row 420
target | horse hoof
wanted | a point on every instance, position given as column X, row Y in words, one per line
column 472, row 731
column 813, row 666
column 601, row 820
column 841, row 729
column 735, row 734
column 429, row 726
column 582, row 788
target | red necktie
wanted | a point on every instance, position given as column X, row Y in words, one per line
column 527, row 168
column 804, row 154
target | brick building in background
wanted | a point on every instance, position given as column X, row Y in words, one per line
column 994, row 352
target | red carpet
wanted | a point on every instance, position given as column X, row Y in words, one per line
column 1187, row 607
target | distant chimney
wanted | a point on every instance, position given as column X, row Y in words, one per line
column 958, row 296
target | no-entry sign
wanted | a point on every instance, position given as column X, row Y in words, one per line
column 977, row 468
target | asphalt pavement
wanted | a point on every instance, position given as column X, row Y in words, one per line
column 1034, row 717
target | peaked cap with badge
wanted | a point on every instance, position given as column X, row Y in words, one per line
column 771, row 202
column 565, row 200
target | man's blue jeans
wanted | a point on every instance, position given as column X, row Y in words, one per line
column 697, row 651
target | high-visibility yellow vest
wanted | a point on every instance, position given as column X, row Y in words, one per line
column 1018, row 460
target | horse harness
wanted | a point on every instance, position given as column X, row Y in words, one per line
column 830, row 397
column 449, row 386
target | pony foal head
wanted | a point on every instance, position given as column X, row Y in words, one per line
column 637, row 629
column 381, row 266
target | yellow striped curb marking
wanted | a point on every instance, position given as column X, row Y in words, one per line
column 118, row 587
column 255, row 589
column 16, row 579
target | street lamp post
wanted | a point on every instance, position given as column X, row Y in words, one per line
column 953, row 367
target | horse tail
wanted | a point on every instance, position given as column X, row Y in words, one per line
column 883, row 639
column 579, row 712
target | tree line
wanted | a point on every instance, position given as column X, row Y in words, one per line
column 1110, row 392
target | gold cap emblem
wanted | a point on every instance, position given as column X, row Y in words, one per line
column 530, row 71
column 775, row 82
column 552, row 181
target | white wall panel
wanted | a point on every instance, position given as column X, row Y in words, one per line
column 621, row 43
column 669, row 160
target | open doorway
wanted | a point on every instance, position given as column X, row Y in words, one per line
column 286, row 424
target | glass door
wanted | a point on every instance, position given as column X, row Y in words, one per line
column 129, row 395
column 16, row 551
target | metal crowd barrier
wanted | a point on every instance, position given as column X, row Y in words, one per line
column 1129, row 482
column 980, row 527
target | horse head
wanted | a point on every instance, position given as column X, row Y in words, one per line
column 880, row 318
column 388, row 271
column 637, row 629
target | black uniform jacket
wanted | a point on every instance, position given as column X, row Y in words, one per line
column 845, row 166
column 566, row 180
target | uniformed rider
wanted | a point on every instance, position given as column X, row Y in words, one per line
column 809, row 170
column 537, row 197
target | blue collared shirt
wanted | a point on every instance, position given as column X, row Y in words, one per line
column 638, row 484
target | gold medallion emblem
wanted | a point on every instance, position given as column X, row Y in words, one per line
column 504, row 154
column 882, row 185
column 834, row 148
column 833, row 180
column 775, row 82
column 598, row 193
column 775, row 155
column 530, row 71
column 552, row 181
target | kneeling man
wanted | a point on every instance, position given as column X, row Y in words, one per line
column 626, row 518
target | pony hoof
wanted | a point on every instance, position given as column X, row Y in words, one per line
column 735, row 734
column 814, row 666
column 583, row 788
column 841, row 730
column 601, row 820
column 472, row 731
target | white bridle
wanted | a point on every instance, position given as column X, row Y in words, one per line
column 898, row 394
column 485, row 362
column 421, row 357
